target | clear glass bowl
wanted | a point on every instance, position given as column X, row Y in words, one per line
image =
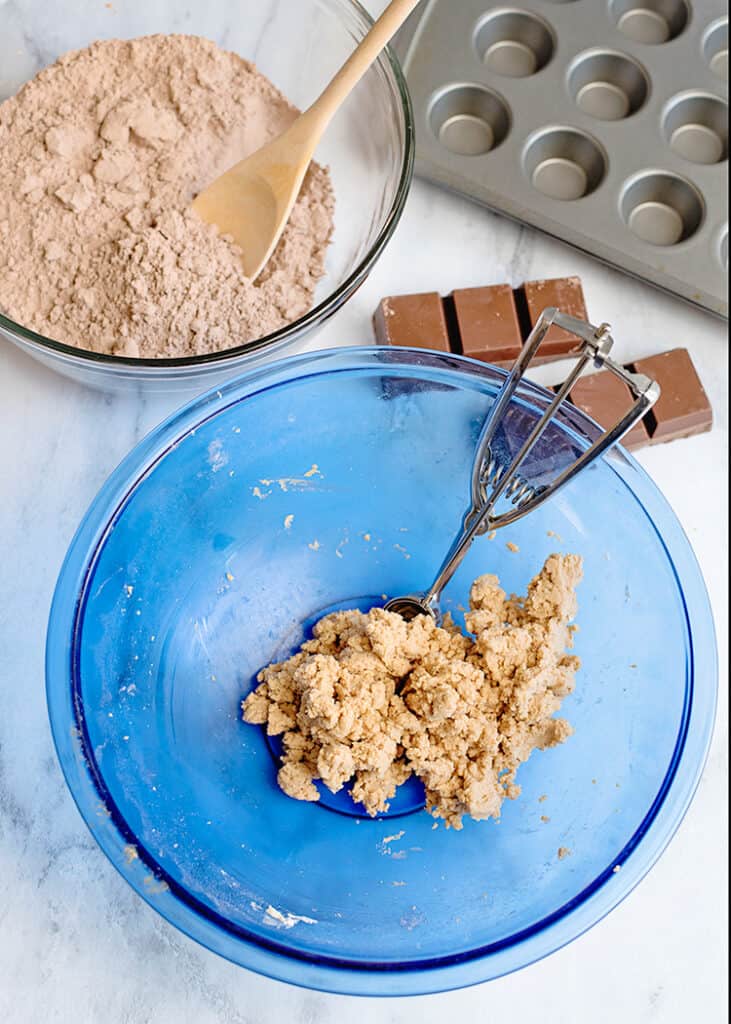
column 186, row 577
column 298, row 44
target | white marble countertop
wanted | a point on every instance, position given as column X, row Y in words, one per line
column 77, row 945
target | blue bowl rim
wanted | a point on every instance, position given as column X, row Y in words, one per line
column 330, row 974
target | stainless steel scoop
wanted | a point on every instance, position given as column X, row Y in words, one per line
column 496, row 482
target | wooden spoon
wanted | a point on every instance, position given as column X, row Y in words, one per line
column 252, row 202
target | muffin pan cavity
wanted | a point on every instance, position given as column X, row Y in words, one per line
column 601, row 122
column 661, row 209
column 695, row 126
column 650, row 22
column 563, row 163
column 715, row 48
column 608, row 86
column 514, row 43
column 469, row 120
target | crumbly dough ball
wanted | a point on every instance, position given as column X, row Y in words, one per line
column 373, row 699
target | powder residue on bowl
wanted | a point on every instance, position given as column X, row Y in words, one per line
column 373, row 699
column 100, row 157
column 272, row 916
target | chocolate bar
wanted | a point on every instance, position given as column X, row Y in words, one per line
column 683, row 409
column 490, row 324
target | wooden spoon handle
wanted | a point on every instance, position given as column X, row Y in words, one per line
column 323, row 109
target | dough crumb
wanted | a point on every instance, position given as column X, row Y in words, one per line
column 371, row 700
column 564, row 852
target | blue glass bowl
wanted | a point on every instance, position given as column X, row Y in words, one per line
column 327, row 481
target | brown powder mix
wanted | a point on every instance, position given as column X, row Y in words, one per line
column 374, row 699
column 100, row 156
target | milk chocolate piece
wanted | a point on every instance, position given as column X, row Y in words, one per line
column 487, row 319
column 566, row 295
column 683, row 409
column 490, row 323
column 413, row 321
column 606, row 398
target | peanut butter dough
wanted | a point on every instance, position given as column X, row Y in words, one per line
column 374, row 699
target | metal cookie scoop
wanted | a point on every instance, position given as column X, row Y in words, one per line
column 494, row 482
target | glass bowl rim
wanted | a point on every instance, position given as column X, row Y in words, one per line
column 327, row 973
column 319, row 313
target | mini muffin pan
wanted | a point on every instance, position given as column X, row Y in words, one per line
column 601, row 122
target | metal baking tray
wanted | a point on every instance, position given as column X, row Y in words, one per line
column 601, row 122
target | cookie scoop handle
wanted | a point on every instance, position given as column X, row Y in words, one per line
column 496, row 484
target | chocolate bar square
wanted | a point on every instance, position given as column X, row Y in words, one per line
column 488, row 323
column 606, row 398
column 683, row 409
column 566, row 295
column 413, row 321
